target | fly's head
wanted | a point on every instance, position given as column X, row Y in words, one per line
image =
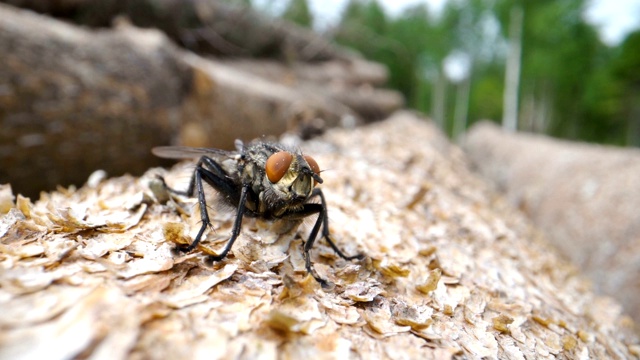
column 291, row 176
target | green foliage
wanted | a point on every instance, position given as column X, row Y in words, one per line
column 298, row 12
column 571, row 85
column 626, row 65
column 245, row 3
column 625, row 68
column 486, row 94
column 397, row 43
column 604, row 101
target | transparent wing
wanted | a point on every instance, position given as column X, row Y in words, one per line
column 184, row 152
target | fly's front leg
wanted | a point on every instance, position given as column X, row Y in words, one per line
column 321, row 222
column 325, row 227
column 311, row 209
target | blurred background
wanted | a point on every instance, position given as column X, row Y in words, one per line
column 569, row 68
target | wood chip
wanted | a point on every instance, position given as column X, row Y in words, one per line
column 451, row 270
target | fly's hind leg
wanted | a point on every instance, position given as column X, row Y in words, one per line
column 325, row 227
column 322, row 221
column 211, row 172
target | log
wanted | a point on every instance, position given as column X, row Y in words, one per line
column 73, row 100
column 585, row 197
column 369, row 103
column 349, row 73
column 76, row 100
column 226, row 104
column 451, row 271
column 202, row 26
column 348, row 83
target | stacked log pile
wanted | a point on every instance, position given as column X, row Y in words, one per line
column 76, row 98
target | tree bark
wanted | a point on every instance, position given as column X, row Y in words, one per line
column 202, row 26
column 74, row 101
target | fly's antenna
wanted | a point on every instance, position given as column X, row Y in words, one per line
column 315, row 176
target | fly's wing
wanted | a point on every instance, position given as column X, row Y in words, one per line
column 184, row 152
column 223, row 166
column 225, row 161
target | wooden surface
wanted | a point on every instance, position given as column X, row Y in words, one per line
column 584, row 197
column 452, row 271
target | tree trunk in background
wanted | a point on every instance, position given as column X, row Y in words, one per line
column 542, row 113
column 527, row 110
column 440, row 99
column 462, row 107
column 512, row 76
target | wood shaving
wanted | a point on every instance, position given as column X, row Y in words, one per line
column 451, row 270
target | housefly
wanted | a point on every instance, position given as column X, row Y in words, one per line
column 262, row 179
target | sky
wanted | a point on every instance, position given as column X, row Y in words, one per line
column 614, row 18
column 614, row 21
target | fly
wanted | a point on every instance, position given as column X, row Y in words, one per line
column 262, row 179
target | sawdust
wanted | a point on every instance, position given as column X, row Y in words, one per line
column 451, row 270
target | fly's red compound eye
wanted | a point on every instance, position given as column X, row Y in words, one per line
column 277, row 165
column 313, row 165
